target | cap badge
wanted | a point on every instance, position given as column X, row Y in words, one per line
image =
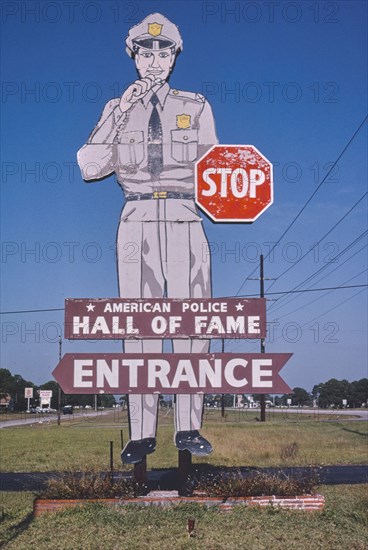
column 183, row 121
column 154, row 29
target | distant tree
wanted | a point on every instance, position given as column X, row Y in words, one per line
column 333, row 392
column 300, row 397
column 6, row 382
column 358, row 393
column 284, row 399
column 278, row 401
column 106, row 401
column 80, row 400
column 14, row 386
column 316, row 391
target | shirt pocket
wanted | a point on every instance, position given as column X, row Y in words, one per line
column 130, row 147
column 184, row 145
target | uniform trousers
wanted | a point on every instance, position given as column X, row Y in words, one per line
column 159, row 259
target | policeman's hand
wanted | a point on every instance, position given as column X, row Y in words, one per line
column 136, row 91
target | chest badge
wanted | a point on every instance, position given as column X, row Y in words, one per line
column 183, row 121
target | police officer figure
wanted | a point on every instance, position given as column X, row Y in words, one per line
column 151, row 138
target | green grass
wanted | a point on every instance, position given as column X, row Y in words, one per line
column 342, row 525
column 86, row 442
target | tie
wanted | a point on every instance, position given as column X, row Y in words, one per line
column 155, row 155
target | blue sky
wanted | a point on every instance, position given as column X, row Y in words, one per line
column 288, row 78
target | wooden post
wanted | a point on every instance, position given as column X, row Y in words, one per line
column 262, row 397
column 140, row 471
column 222, row 395
column 184, row 470
column 111, row 462
column 59, row 389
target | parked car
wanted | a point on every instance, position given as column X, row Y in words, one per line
column 46, row 410
column 67, row 409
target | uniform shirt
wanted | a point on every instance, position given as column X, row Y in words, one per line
column 119, row 144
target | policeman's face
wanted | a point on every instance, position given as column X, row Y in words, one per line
column 156, row 63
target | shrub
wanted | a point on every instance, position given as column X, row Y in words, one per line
column 90, row 484
column 257, row 483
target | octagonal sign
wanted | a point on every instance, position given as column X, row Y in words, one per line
column 233, row 183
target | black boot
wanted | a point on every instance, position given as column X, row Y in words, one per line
column 193, row 442
column 135, row 451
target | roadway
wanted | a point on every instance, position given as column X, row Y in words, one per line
column 318, row 414
column 48, row 418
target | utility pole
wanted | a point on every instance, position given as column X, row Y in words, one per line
column 262, row 279
column 59, row 389
column 223, row 395
column 262, row 397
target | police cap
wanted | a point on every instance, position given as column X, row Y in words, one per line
column 155, row 32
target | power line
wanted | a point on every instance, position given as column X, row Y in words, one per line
column 220, row 297
column 331, row 289
column 315, row 300
column 320, row 297
column 324, row 236
column 309, row 200
column 320, row 279
column 321, row 315
column 31, row 311
column 333, row 260
column 316, row 289
column 335, row 307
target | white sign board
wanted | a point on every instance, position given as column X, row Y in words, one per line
column 28, row 393
column 45, row 394
column 45, row 397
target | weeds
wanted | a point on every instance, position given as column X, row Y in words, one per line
column 289, row 451
column 225, row 485
column 90, row 484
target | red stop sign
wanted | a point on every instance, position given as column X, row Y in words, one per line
column 234, row 183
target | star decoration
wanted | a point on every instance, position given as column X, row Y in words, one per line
column 91, row 307
column 239, row 307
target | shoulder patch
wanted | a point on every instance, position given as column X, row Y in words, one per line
column 200, row 98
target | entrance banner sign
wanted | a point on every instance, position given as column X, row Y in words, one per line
column 116, row 318
column 172, row 373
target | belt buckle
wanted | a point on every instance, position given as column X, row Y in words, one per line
column 160, row 194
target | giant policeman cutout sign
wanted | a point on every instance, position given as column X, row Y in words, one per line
column 151, row 138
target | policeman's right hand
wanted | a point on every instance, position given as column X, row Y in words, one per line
column 136, row 91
